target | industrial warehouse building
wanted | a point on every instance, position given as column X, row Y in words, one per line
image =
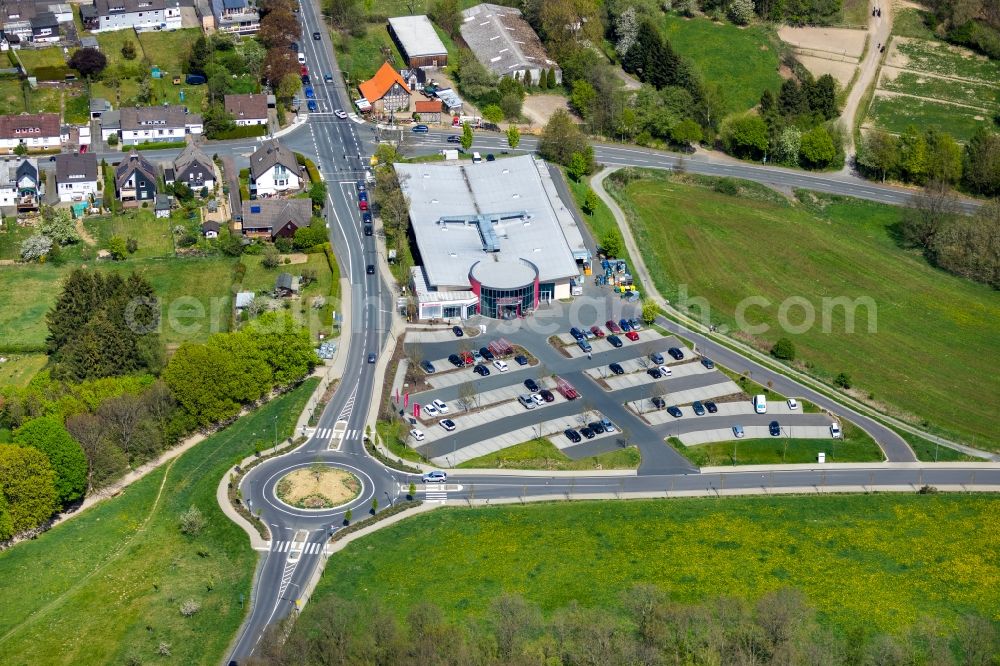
column 505, row 44
column 493, row 238
column 418, row 41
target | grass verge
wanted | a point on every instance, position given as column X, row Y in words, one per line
column 917, row 555
column 127, row 558
column 542, row 454
column 827, row 250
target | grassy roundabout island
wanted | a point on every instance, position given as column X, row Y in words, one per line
column 318, row 487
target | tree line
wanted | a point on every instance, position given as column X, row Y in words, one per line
column 648, row 628
column 971, row 23
column 965, row 245
column 76, row 428
column 922, row 157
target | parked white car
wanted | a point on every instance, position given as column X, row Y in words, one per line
column 666, row 371
column 440, row 406
column 835, row 430
column 429, row 410
column 500, row 365
column 417, row 434
column 792, row 403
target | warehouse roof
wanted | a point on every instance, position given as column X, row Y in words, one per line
column 502, row 40
column 492, row 211
column 417, row 36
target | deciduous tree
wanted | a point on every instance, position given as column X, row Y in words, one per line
column 49, row 435
column 27, row 483
column 88, row 61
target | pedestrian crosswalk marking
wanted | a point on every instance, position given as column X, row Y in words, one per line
column 323, row 433
column 285, row 546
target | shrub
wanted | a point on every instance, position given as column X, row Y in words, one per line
column 843, row 380
column 190, row 607
column 783, row 349
column 741, row 12
column 192, row 522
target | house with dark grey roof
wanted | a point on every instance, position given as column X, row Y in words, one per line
column 274, row 218
column 107, row 15
column 135, row 179
column 239, row 17
column 45, row 28
column 273, row 170
column 20, row 186
column 76, row 176
column 139, row 124
column 32, row 20
column 98, row 106
column 504, row 42
column 210, row 229
column 247, row 109
column 193, row 168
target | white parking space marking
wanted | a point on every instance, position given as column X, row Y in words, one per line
column 756, row 432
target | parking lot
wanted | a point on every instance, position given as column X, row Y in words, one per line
column 488, row 416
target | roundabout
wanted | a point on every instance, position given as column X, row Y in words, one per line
column 317, row 487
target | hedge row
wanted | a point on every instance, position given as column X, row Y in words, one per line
column 243, row 132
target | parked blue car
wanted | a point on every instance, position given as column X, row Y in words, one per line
column 311, row 105
column 310, row 93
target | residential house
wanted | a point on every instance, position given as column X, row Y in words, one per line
column 139, row 124
column 35, row 130
column 238, row 17
column 286, row 285
column 135, row 179
column 273, row 170
column 20, row 186
column 386, row 92
column 247, row 109
column 210, row 229
column 142, row 15
column 415, row 78
column 45, row 28
column 505, row 44
column 27, row 21
column 76, row 176
column 111, row 124
column 418, row 41
column 429, row 110
column 98, row 106
column 193, row 168
column 162, row 206
column 274, row 218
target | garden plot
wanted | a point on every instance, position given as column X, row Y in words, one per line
column 833, row 51
column 933, row 85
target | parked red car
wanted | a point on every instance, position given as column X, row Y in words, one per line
column 597, row 331
column 303, row 70
column 363, row 205
column 613, row 327
column 632, row 335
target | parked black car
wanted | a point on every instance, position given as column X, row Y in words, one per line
column 597, row 427
column 457, row 330
column 455, row 360
column 699, row 409
column 658, row 402
column 428, row 367
column 708, row 363
column 711, row 407
column 774, row 428
column 572, row 435
column 674, row 411
column 587, row 432
column 531, row 385
column 521, row 359
column 481, row 370
column 614, row 340
column 654, row 373
column 616, row 368
column 546, row 395
column 486, row 353
column 675, row 353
